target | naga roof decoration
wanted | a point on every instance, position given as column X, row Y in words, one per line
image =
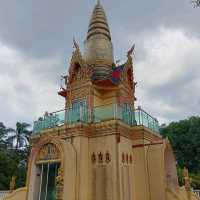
column 129, row 55
column 77, row 56
column 76, row 61
column 126, row 69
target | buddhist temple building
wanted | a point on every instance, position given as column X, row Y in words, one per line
column 100, row 146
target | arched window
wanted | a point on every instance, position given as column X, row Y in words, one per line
column 47, row 166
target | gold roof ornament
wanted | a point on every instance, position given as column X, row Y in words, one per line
column 76, row 46
column 129, row 55
column 77, row 56
column 98, row 23
column 13, row 183
column 186, row 179
column 60, row 177
column 98, row 45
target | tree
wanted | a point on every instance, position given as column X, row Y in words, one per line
column 196, row 3
column 4, row 134
column 13, row 161
column 185, row 140
column 21, row 135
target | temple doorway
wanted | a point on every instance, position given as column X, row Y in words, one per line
column 47, row 173
column 47, row 167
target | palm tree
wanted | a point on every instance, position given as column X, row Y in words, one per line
column 4, row 133
column 196, row 3
column 21, row 135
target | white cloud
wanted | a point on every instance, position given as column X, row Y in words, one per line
column 168, row 52
column 166, row 69
column 26, row 89
column 168, row 75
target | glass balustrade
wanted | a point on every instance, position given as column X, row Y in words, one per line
column 49, row 121
column 98, row 114
column 144, row 119
column 103, row 113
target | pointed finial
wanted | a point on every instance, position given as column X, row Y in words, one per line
column 75, row 43
column 186, row 179
column 98, row 2
column 13, row 183
column 131, row 51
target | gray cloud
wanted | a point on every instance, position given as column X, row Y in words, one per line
column 36, row 45
column 169, row 75
column 45, row 27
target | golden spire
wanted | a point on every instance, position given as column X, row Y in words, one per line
column 98, row 45
column 98, row 23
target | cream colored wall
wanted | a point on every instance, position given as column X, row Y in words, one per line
column 69, row 171
column 19, row 194
column 155, row 172
column 107, row 170
column 143, row 179
column 170, row 168
column 80, row 146
column 127, row 179
column 140, row 174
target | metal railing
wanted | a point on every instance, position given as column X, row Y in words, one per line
column 59, row 118
column 143, row 118
column 97, row 114
column 3, row 194
column 197, row 192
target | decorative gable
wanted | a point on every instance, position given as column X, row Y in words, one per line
column 79, row 70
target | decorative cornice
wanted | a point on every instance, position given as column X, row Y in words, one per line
column 98, row 23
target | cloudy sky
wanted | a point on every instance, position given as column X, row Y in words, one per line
column 36, row 47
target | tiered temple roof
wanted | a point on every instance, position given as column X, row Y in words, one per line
column 98, row 45
column 98, row 23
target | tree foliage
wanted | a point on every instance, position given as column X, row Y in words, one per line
column 20, row 135
column 185, row 140
column 4, row 132
column 196, row 3
column 14, row 151
column 11, row 165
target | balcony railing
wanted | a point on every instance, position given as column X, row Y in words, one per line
column 197, row 192
column 3, row 194
column 97, row 114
